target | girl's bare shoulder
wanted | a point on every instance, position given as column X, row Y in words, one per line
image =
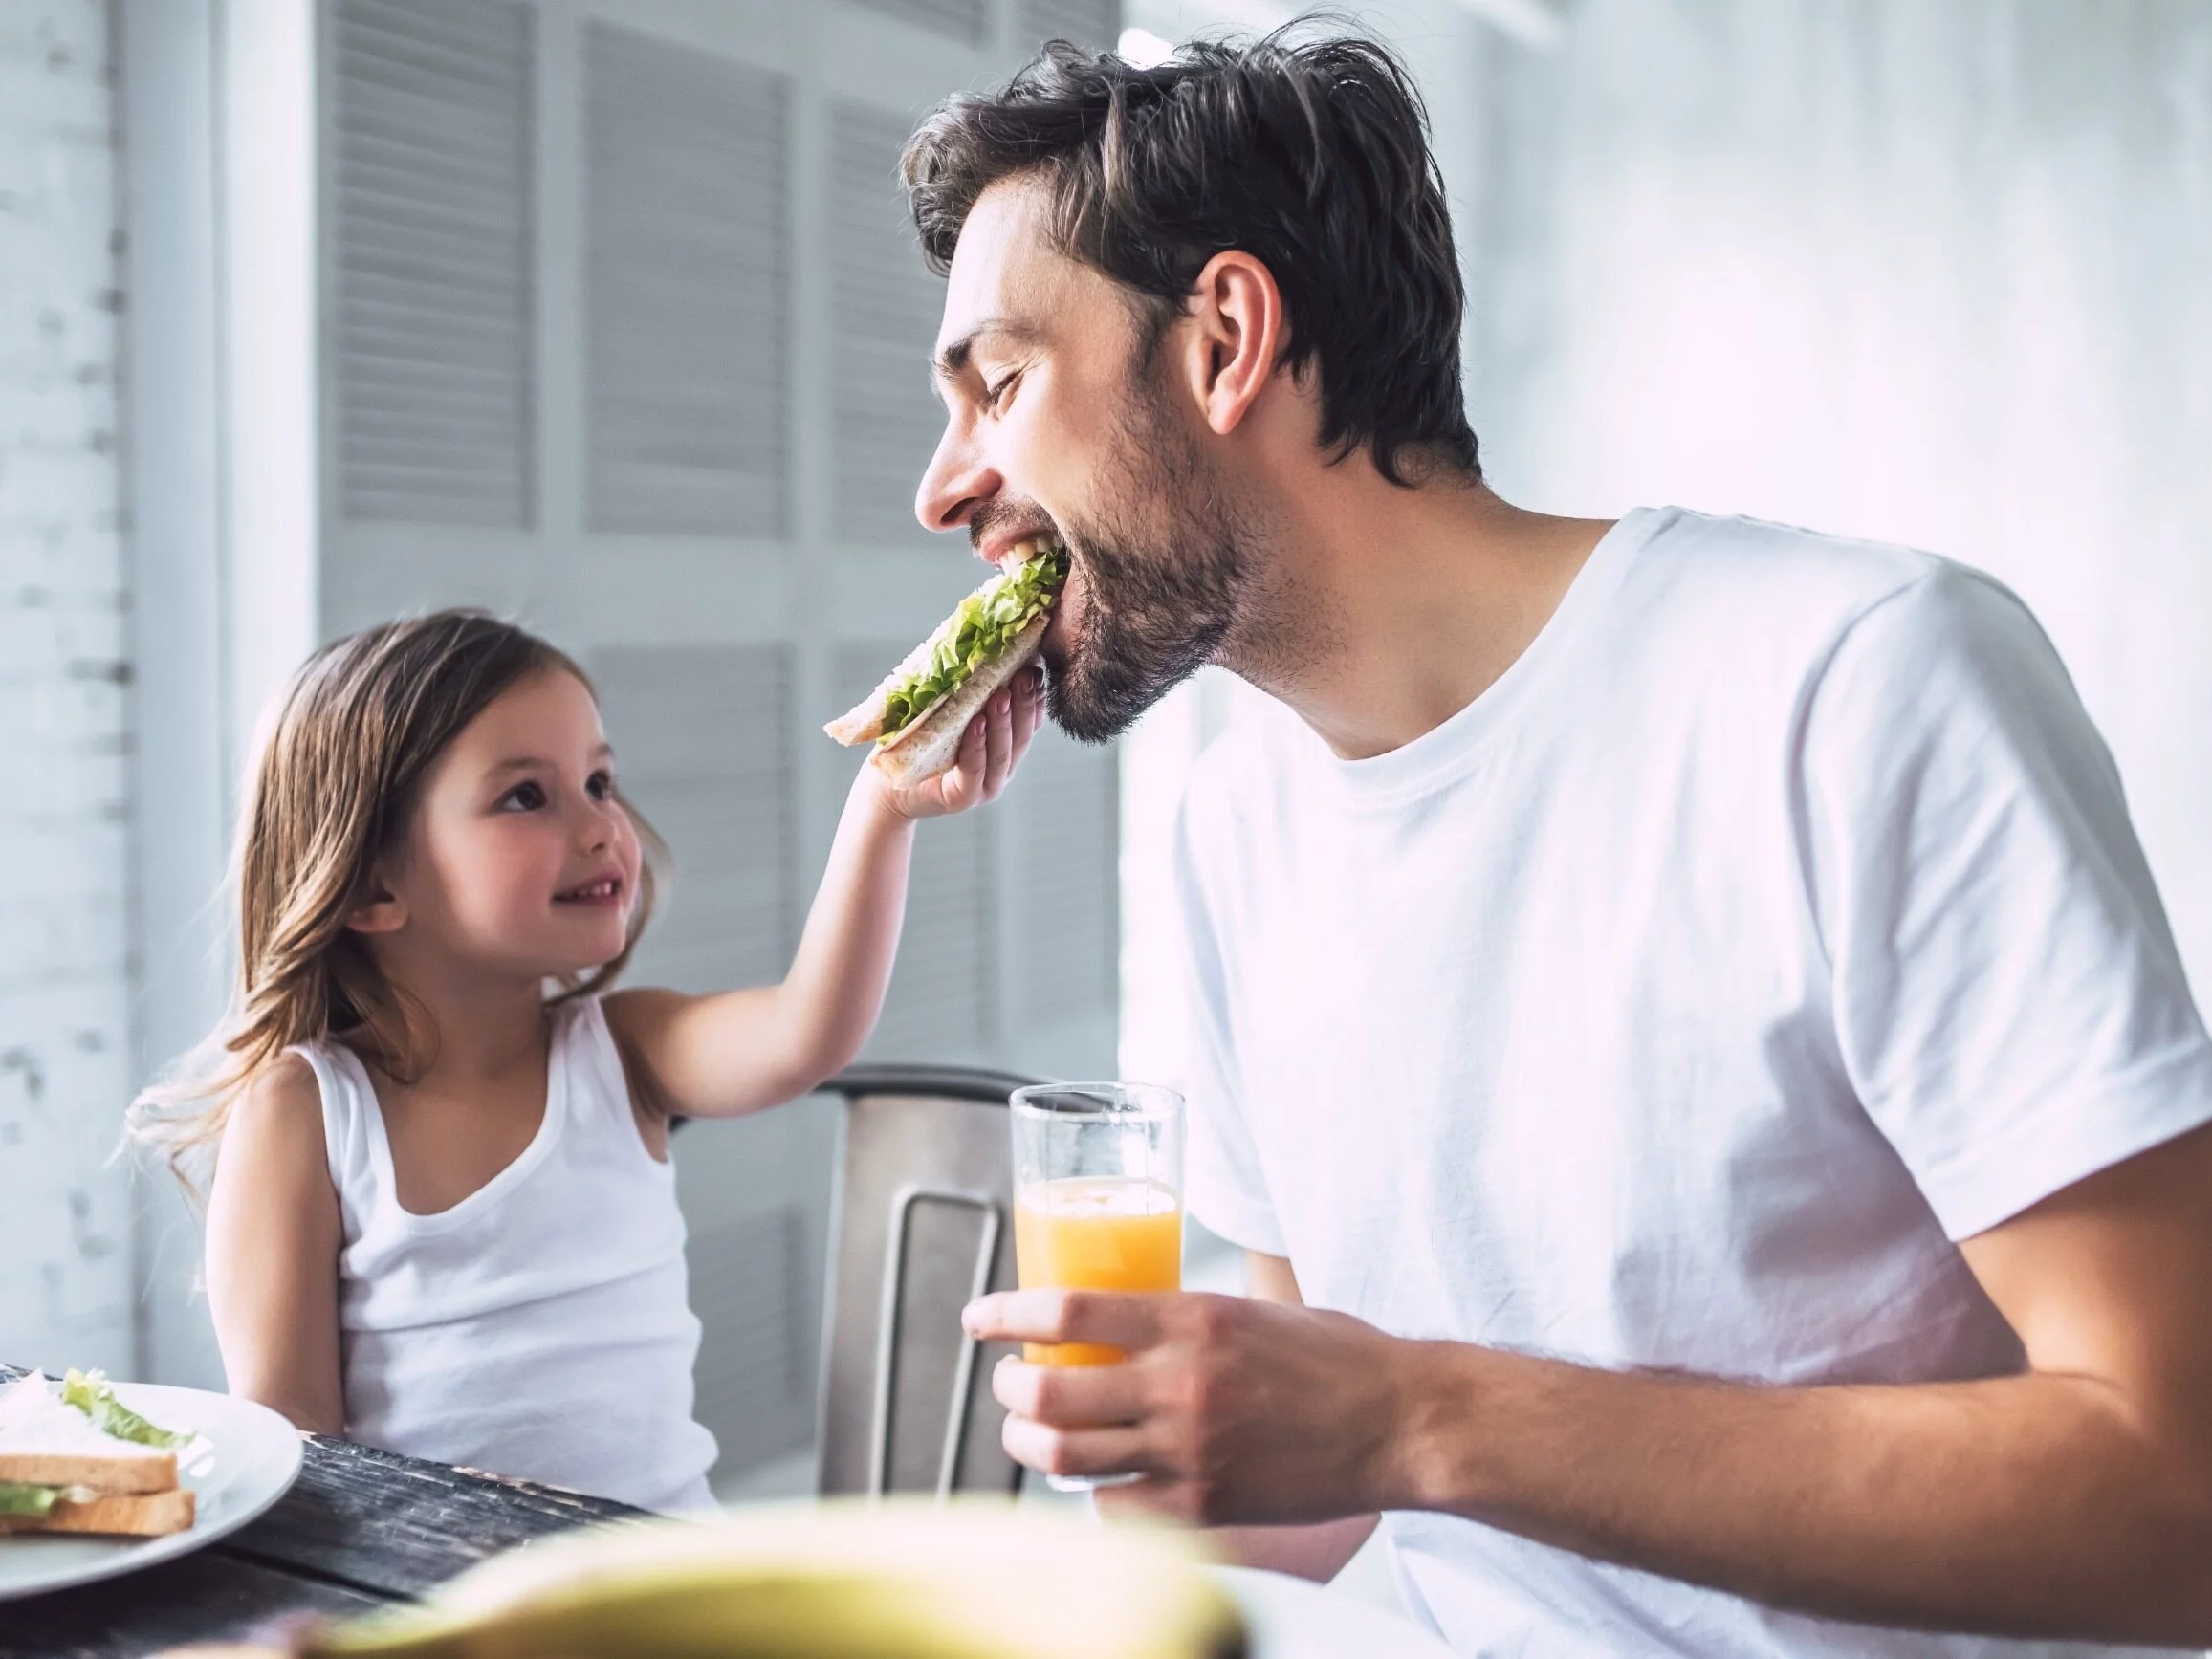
column 286, row 1086
column 276, row 1118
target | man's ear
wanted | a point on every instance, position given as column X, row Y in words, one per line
column 1234, row 334
column 378, row 911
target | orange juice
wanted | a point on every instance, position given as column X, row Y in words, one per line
column 1096, row 1233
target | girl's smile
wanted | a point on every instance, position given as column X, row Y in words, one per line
column 601, row 890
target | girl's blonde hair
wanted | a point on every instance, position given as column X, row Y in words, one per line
column 335, row 785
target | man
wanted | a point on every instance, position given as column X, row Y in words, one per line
column 1682, row 1007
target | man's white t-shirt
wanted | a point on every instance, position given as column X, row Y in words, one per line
column 1774, row 922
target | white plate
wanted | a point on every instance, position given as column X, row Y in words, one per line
column 241, row 1460
column 1295, row 1619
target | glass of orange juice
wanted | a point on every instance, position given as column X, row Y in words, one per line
column 1098, row 1202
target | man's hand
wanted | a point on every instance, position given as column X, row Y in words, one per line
column 1232, row 1411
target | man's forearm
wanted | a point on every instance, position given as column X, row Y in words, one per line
column 2030, row 1505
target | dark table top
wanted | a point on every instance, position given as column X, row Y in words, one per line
column 359, row 1529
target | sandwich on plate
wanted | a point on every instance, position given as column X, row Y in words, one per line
column 74, row 1458
column 916, row 716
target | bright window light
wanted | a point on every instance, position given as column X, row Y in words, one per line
column 1144, row 48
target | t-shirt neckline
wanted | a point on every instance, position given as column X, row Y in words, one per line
column 1440, row 753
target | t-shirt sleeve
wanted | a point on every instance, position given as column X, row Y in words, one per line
column 2009, row 1000
column 1224, row 1184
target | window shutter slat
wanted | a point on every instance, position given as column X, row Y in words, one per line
column 687, row 303
column 1066, row 870
column 963, row 20
column 704, row 737
column 432, row 361
column 1093, row 23
column 888, row 305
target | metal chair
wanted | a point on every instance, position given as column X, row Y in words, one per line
column 922, row 1223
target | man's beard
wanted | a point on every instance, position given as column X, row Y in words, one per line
column 1164, row 573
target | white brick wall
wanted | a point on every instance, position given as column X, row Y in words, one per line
column 65, row 1265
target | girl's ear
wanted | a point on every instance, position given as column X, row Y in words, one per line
column 379, row 911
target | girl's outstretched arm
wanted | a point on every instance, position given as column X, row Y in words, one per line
column 738, row 1050
column 274, row 1235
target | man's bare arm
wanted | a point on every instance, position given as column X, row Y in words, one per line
column 2075, row 1499
column 1317, row 1551
column 2072, row 1501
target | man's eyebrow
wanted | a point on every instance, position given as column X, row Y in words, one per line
column 953, row 360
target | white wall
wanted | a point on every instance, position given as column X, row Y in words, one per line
column 1932, row 273
column 65, row 1060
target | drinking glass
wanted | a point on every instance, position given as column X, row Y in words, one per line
column 1098, row 1203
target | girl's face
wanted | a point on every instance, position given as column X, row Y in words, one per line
column 519, row 860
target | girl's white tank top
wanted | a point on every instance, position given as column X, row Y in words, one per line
column 542, row 1326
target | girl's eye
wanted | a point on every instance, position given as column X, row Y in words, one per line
column 600, row 786
column 523, row 797
column 994, row 396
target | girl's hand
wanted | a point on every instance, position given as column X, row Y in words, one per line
column 989, row 750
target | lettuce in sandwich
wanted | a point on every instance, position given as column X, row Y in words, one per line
column 916, row 716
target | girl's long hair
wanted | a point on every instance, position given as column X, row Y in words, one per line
column 334, row 788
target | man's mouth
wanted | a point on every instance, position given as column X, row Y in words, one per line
column 1009, row 551
column 599, row 890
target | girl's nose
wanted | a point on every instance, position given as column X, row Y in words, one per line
column 597, row 827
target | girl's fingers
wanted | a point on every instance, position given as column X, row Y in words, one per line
column 957, row 783
column 996, row 737
column 1028, row 710
column 957, row 786
column 998, row 742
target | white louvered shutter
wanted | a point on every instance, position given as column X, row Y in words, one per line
column 1065, row 952
column 430, row 267
column 748, row 1287
column 1093, row 23
column 967, row 21
column 888, row 417
column 687, row 290
column 704, row 735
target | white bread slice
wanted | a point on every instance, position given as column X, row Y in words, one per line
column 930, row 746
column 46, row 1443
column 863, row 722
column 139, row 1515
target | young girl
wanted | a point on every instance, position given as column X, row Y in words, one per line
column 443, row 1218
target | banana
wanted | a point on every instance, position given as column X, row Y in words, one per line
column 824, row 1582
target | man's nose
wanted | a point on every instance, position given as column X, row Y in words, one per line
column 958, row 481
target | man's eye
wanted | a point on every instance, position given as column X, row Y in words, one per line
column 996, row 395
column 600, row 786
column 523, row 797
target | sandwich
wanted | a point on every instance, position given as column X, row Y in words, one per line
column 77, row 1459
column 915, row 718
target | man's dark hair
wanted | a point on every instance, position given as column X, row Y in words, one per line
column 1311, row 157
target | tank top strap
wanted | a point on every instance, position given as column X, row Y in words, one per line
column 353, row 1132
column 597, row 1087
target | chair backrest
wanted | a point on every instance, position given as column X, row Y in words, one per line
column 923, row 1222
